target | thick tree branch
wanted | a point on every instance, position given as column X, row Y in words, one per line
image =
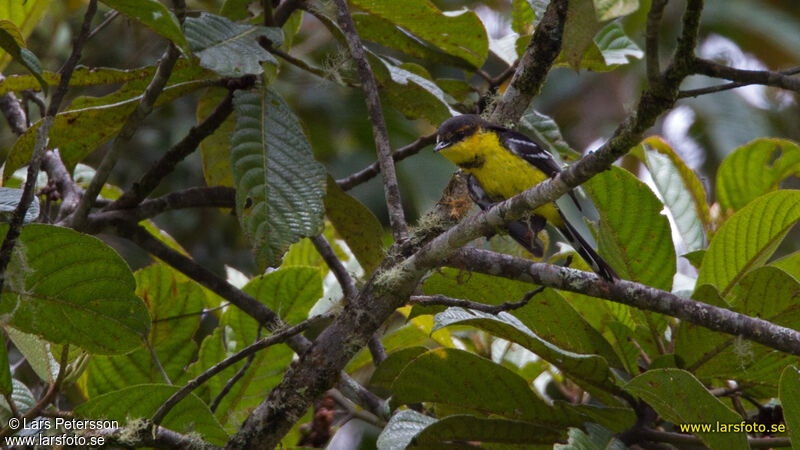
column 150, row 179
column 40, row 145
column 373, row 169
column 629, row 293
column 534, row 66
column 383, row 148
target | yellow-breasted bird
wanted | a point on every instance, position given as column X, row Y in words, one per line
column 502, row 163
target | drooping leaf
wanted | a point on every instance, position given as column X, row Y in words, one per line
column 9, row 199
column 683, row 193
column 279, row 185
column 154, row 15
column 356, row 225
column 58, row 273
column 25, row 15
column 461, row 35
column 140, row 401
column 790, row 401
column 215, row 149
column 401, row 429
column 611, row 9
column 680, row 398
column 12, row 42
column 175, row 306
column 228, row 48
column 748, row 239
column 637, row 242
column 755, row 169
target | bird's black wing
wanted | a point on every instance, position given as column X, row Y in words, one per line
column 524, row 232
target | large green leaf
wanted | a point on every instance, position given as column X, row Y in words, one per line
column 461, row 35
column 636, row 241
column 683, row 193
column 142, row 401
column 25, row 15
column 401, row 429
column 755, row 169
column 748, row 239
column 790, row 401
column 37, row 352
column 215, row 149
column 175, row 308
column 279, row 185
column 611, row 9
column 579, row 30
column 459, row 378
column 680, row 398
column 228, row 48
column 356, row 225
column 153, row 15
column 460, row 428
column 12, row 42
column 70, row 288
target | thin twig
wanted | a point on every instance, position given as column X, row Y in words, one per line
column 442, row 300
column 352, row 410
column 40, row 145
column 391, row 189
column 235, row 378
column 191, row 314
column 339, row 271
column 373, row 169
column 651, row 42
column 109, row 18
column 276, row 338
column 765, row 77
column 376, row 349
column 727, row 86
column 157, row 362
column 299, row 63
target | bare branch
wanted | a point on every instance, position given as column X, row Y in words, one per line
column 384, row 150
column 442, row 300
column 110, row 16
column 373, row 169
column 286, row 9
column 727, row 86
column 12, row 110
column 765, row 77
column 345, row 280
column 58, row 174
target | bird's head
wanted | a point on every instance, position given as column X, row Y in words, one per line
column 456, row 129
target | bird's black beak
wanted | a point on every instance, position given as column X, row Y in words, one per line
column 440, row 145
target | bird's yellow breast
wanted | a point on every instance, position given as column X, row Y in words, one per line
column 501, row 173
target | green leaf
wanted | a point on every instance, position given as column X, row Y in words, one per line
column 37, row 353
column 411, row 335
column 755, row 169
column 9, row 199
column 461, row 35
column 228, row 48
column 611, row 9
column 680, row 398
column 401, row 429
column 790, row 401
column 175, row 306
column 22, row 397
column 215, row 149
column 385, row 374
column 459, row 428
column 459, row 378
column 522, row 17
column 615, row 46
column 6, row 387
column 12, row 42
column 279, row 185
column 748, row 239
column 683, row 193
column 57, row 273
column 579, row 30
column 235, row 9
column 155, row 16
column 637, row 242
column 356, row 225
column 25, row 15
column 142, row 401
column 598, row 438
column 546, row 131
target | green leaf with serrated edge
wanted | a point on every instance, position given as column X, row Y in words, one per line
column 611, row 9
column 579, row 30
column 683, row 193
column 37, row 352
column 755, row 169
column 356, row 224
column 12, row 42
column 587, row 369
column 6, row 387
column 597, row 438
column 680, row 398
column 57, row 272
column 215, row 149
column 461, row 35
column 79, row 131
column 522, row 17
column 459, row 378
column 545, row 129
column 153, row 15
column 133, row 402
column 790, row 401
column 399, row 433
column 461, row 428
column 228, row 48
column 175, row 308
column 387, row 371
column 748, row 239
column 22, row 397
column 25, row 15
column 637, row 242
column 382, row 31
column 279, row 185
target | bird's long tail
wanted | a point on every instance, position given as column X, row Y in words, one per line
column 586, row 251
